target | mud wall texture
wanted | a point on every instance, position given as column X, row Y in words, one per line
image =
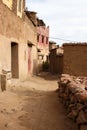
column 12, row 26
column 21, row 31
column 75, row 59
column 56, row 62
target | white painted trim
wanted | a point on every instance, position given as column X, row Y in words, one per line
column 8, row 3
column 18, row 12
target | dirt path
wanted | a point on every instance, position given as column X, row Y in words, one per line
column 34, row 105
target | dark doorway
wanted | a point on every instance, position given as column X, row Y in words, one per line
column 29, row 57
column 14, row 60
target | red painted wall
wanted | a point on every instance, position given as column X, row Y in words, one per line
column 43, row 31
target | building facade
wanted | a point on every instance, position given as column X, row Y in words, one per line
column 42, row 43
column 71, row 59
column 56, row 60
column 18, row 39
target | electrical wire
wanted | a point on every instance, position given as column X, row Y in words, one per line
column 62, row 39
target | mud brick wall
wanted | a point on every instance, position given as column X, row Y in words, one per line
column 56, row 62
column 14, row 29
column 75, row 59
column 14, row 6
column 12, row 26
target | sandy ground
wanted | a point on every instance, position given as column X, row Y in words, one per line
column 33, row 105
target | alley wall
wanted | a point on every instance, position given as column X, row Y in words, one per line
column 56, row 62
column 75, row 59
column 20, row 31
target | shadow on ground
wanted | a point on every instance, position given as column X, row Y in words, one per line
column 48, row 76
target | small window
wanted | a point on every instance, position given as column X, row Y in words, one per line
column 46, row 40
column 42, row 39
column 37, row 37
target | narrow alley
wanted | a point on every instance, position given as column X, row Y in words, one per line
column 33, row 105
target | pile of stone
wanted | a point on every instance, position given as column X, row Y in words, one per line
column 73, row 94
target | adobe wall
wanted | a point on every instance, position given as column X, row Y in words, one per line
column 56, row 62
column 75, row 59
column 14, row 6
column 12, row 26
column 5, row 54
column 15, row 29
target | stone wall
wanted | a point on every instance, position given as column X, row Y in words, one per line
column 73, row 94
column 75, row 59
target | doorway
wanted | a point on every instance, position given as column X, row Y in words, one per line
column 14, row 60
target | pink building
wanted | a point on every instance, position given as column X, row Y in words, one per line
column 42, row 42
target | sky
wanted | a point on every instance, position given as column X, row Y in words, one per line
column 67, row 19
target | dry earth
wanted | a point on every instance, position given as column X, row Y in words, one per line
column 33, row 105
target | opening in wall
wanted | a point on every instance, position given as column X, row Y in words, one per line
column 14, row 60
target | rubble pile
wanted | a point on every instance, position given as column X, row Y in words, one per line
column 73, row 94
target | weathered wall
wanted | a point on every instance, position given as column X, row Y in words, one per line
column 5, row 54
column 12, row 26
column 56, row 62
column 43, row 45
column 75, row 59
column 43, row 31
column 15, row 29
column 14, row 6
